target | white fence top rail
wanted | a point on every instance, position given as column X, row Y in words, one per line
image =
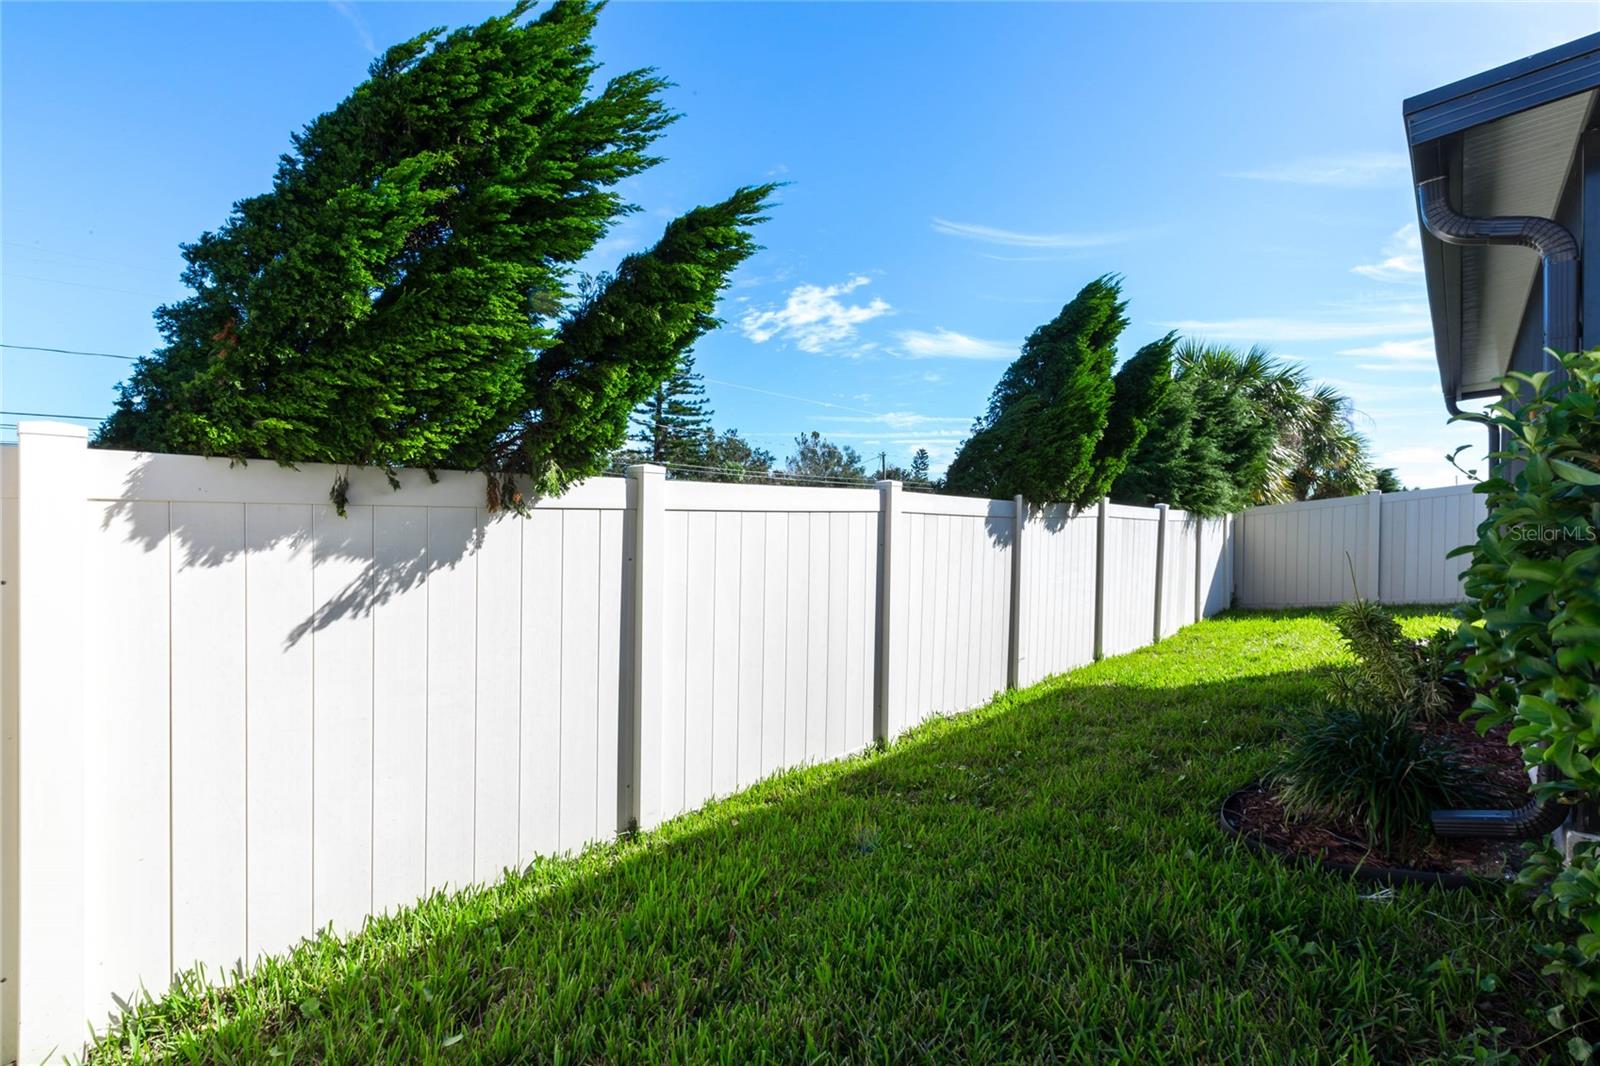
column 960, row 506
column 130, row 476
column 713, row 496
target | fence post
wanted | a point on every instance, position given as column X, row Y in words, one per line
column 1014, row 645
column 1161, row 564
column 48, row 731
column 649, row 571
column 1374, row 544
column 891, row 585
column 1100, row 581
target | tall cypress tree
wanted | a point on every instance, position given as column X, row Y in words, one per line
column 614, row 349
column 674, row 420
column 1138, row 392
column 1047, row 414
column 395, row 299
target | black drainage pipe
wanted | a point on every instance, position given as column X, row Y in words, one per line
column 1532, row 819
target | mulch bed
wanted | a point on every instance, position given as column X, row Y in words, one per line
column 1255, row 814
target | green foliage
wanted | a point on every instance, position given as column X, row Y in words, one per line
column 1393, row 673
column 1384, row 479
column 1045, row 419
column 1532, row 620
column 1531, row 623
column 1239, row 428
column 728, row 457
column 1139, row 390
column 818, row 458
column 392, row 300
column 919, row 468
column 1373, row 767
column 616, row 347
column 674, row 419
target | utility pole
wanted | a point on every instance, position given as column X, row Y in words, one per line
column 883, row 465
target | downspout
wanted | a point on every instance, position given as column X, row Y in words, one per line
column 1558, row 259
column 1557, row 248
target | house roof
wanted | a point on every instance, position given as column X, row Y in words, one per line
column 1506, row 139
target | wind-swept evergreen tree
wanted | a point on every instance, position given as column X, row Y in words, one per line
column 1139, row 390
column 1047, row 414
column 395, row 299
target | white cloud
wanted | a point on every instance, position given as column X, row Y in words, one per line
column 814, row 317
column 948, row 344
column 900, row 420
column 1401, row 319
column 348, row 12
column 1416, row 350
column 1427, row 468
column 1355, row 170
column 1402, row 258
column 1018, row 239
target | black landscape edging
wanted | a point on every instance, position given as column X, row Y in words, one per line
column 1229, row 813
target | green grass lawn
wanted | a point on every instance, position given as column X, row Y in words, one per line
column 1042, row 879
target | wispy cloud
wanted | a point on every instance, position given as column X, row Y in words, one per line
column 1402, row 258
column 948, row 344
column 1019, row 239
column 1355, row 170
column 1402, row 320
column 1413, row 354
column 814, row 318
column 902, row 420
column 349, row 13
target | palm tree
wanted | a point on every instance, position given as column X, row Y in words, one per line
column 1315, row 452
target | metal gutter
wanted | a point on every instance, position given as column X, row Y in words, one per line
column 1568, row 69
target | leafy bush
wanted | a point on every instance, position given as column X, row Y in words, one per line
column 1532, row 623
column 1392, row 671
column 1373, row 767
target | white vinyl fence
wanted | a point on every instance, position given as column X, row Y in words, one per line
column 232, row 717
column 1391, row 547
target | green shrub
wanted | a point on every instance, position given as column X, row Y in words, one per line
column 1372, row 767
column 1392, row 671
column 1532, row 624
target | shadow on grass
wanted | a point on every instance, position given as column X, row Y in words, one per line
column 1040, row 879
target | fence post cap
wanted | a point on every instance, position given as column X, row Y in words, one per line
column 647, row 470
column 886, row 483
column 1161, row 506
column 52, row 429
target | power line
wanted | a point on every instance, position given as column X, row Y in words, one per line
column 47, row 414
column 85, row 285
column 86, row 258
column 69, row 351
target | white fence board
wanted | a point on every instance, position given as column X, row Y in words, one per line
column 342, row 730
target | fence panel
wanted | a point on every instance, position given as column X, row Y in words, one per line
column 1178, row 573
column 769, row 633
column 1418, row 529
column 353, row 705
column 1390, row 547
column 956, row 597
column 1056, row 623
column 1129, row 599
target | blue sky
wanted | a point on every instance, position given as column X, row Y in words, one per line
column 957, row 172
